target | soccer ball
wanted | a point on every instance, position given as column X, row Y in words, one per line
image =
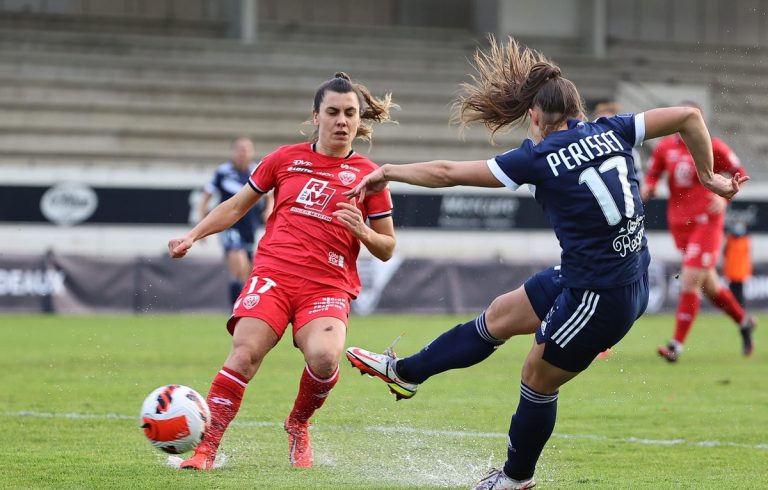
column 175, row 418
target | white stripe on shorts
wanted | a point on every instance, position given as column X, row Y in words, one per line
column 577, row 319
column 583, row 323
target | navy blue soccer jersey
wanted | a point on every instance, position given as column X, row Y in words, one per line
column 226, row 182
column 584, row 177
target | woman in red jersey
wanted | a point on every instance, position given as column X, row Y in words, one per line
column 305, row 268
column 696, row 219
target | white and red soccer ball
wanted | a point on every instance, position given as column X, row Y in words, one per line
column 175, row 418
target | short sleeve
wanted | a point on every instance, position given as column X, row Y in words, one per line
column 263, row 176
column 630, row 127
column 513, row 168
column 379, row 204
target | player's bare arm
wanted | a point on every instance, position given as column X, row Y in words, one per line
column 690, row 124
column 222, row 217
column 381, row 241
column 379, row 238
column 437, row 173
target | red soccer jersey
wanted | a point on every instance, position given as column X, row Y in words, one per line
column 687, row 197
column 302, row 236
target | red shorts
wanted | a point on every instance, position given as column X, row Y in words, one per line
column 279, row 299
column 699, row 240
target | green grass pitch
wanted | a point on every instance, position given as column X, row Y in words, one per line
column 72, row 389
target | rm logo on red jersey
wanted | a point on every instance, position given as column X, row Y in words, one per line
column 315, row 195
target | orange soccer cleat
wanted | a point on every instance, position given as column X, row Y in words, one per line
column 299, row 446
column 382, row 366
column 202, row 460
column 669, row 352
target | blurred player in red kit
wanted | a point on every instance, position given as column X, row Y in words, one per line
column 305, row 269
column 696, row 219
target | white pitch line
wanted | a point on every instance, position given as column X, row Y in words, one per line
column 413, row 430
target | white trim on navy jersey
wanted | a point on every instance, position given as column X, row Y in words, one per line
column 497, row 172
column 639, row 128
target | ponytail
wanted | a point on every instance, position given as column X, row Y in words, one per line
column 510, row 80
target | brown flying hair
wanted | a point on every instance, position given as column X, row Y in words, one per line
column 509, row 80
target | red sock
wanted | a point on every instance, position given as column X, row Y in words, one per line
column 313, row 391
column 224, row 399
column 726, row 301
column 687, row 309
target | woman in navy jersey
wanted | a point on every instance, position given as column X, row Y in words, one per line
column 583, row 175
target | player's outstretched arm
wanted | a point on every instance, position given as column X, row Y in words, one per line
column 222, row 217
column 690, row 124
column 437, row 173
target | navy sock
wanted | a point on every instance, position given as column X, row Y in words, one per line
column 462, row 346
column 529, row 431
column 234, row 290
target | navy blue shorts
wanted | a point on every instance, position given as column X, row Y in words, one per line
column 232, row 239
column 542, row 289
column 578, row 324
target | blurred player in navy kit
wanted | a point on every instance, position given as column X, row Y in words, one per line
column 239, row 241
column 582, row 173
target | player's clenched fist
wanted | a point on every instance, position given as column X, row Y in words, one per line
column 178, row 247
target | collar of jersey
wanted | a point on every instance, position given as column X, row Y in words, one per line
column 314, row 149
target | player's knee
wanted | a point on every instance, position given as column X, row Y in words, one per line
column 692, row 279
column 538, row 381
column 323, row 357
column 324, row 363
column 245, row 360
column 539, row 376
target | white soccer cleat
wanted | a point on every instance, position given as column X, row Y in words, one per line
column 498, row 480
column 383, row 367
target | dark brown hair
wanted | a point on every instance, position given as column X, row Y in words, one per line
column 510, row 80
column 372, row 109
